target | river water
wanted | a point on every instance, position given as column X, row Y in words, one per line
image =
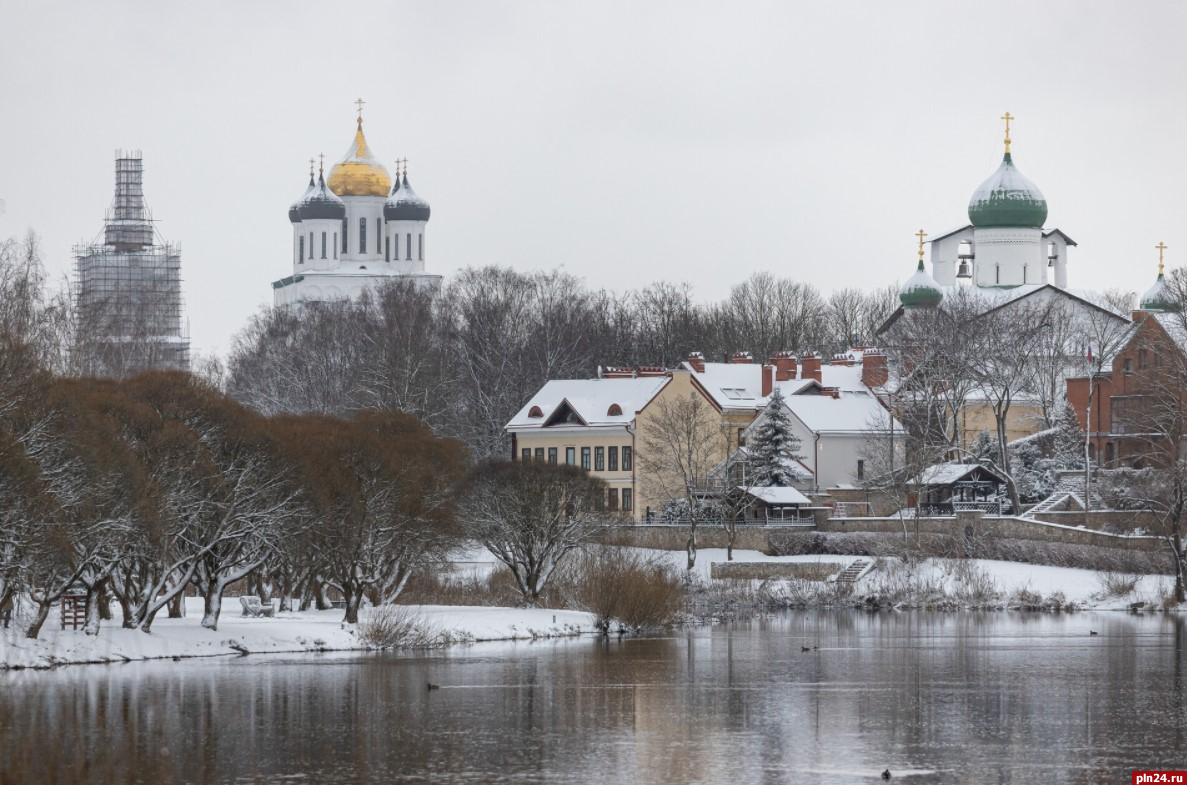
column 952, row 698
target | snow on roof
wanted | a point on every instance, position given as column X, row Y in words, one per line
column 591, row 400
column 739, row 385
column 948, row 473
column 1174, row 326
column 849, row 413
column 775, row 495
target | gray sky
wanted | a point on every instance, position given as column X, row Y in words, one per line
column 627, row 142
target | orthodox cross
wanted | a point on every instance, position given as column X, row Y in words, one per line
column 1161, row 247
column 404, row 163
column 921, row 234
column 310, row 168
column 359, row 103
column 322, row 166
column 1008, row 117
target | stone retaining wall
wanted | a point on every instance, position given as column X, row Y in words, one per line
column 673, row 538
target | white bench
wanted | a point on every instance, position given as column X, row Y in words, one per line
column 254, row 608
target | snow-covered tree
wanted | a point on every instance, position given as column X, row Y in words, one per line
column 773, row 446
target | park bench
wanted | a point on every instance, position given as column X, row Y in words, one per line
column 254, row 608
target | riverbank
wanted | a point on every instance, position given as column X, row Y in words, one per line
column 944, row 584
column 308, row 631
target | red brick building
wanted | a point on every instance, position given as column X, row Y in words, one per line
column 1138, row 411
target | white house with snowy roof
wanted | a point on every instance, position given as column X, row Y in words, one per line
column 355, row 230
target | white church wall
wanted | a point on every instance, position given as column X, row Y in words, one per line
column 1009, row 257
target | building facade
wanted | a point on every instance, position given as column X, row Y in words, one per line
column 355, row 230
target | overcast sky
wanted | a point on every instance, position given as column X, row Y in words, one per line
column 625, row 142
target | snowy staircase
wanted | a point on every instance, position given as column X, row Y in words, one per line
column 855, row 570
column 1066, row 489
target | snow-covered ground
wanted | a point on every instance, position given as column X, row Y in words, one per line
column 288, row 632
column 324, row 630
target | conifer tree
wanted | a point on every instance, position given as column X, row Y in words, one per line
column 773, row 446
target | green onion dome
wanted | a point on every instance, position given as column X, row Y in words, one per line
column 1158, row 297
column 920, row 290
column 1008, row 199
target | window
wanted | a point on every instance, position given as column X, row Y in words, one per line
column 626, row 459
column 323, row 245
column 420, row 247
column 311, row 246
column 861, row 469
column 627, row 500
column 362, row 235
column 614, row 411
column 408, row 248
column 552, row 455
column 570, row 456
column 1143, row 359
column 387, row 250
column 612, row 499
column 540, row 454
column 1128, row 365
column 1109, row 455
column 378, row 234
column 997, row 272
column 335, row 245
column 301, row 253
column 585, row 458
column 345, row 232
column 525, row 454
column 599, row 459
column 613, row 459
column 535, row 411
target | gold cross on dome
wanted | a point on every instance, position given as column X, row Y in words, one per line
column 1008, row 117
column 359, row 103
column 921, row 234
column 321, row 162
column 1161, row 247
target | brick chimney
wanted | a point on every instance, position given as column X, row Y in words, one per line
column 843, row 359
column 811, row 366
column 697, row 361
column 612, row 372
column 785, row 366
column 741, row 358
column 768, row 380
column 645, row 371
column 874, row 371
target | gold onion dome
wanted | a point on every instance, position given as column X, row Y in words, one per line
column 359, row 173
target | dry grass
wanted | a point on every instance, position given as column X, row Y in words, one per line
column 495, row 589
column 761, row 571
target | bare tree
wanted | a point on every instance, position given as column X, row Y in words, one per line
column 678, row 447
column 531, row 516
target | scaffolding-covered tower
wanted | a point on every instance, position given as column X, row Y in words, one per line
column 129, row 288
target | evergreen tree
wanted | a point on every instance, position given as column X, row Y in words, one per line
column 773, row 446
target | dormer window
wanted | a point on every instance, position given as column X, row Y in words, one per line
column 535, row 411
column 614, row 411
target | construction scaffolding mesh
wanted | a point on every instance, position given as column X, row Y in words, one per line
column 128, row 286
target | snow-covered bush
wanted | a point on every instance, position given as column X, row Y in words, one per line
column 399, row 627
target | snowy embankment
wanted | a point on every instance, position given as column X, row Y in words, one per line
column 287, row 632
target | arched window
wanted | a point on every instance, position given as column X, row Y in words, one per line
column 378, row 234
column 345, row 232
column 535, row 412
column 335, row 245
column 311, row 246
column 323, row 245
column 387, row 250
column 614, row 411
column 362, row 235
column 420, row 243
column 408, row 248
column 301, row 256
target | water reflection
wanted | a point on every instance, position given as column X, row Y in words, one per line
column 934, row 697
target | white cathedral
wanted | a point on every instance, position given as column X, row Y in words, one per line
column 355, row 230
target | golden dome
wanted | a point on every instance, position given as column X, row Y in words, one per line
column 359, row 173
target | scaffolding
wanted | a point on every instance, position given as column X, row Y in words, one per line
column 129, row 303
